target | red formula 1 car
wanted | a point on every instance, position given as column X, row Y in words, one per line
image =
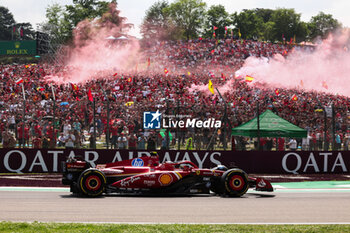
column 146, row 175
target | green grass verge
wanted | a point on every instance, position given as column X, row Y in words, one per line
column 78, row 227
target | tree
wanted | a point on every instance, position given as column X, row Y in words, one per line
column 109, row 24
column 248, row 23
column 56, row 26
column 268, row 31
column 322, row 24
column 27, row 30
column 302, row 32
column 10, row 30
column 84, row 9
column 287, row 24
column 157, row 23
column 111, row 19
column 62, row 20
column 264, row 14
column 188, row 15
column 6, row 23
column 216, row 16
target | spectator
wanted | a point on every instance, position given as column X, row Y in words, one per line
column 61, row 140
column 77, row 125
column 20, row 136
column 151, row 142
column 280, row 143
column 141, row 141
column 8, row 141
column 45, row 142
column 78, row 141
column 132, row 142
column 69, row 140
column 36, row 143
column 293, row 145
column 318, row 140
column 305, row 143
column 114, row 132
column 337, row 141
column 269, row 144
column 164, row 144
column 66, row 128
column 122, row 141
column 92, row 142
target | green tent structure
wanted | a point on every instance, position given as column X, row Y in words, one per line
column 271, row 125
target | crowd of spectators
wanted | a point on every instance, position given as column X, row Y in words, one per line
column 66, row 120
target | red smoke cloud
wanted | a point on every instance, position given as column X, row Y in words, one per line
column 326, row 69
column 93, row 54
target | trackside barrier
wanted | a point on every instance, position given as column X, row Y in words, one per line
column 272, row 162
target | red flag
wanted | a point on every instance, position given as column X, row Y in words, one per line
column 130, row 79
column 214, row 35
column 225, row 30
column 115, row 74
column 294, row 97
column 166, row 71
column 214, row 27
column 223, row 76
column 90, row 95
column 19, row 81
column 74, row 87
column 291, row 40
column 277, row 92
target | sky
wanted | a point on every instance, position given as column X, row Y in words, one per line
column 33, row 11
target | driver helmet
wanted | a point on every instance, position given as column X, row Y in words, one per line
column 221, row 168
column 153, row 153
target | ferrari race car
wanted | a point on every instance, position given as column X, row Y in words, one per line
column 147, row 176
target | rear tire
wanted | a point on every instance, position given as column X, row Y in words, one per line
column 234, row 182
column 92, row 183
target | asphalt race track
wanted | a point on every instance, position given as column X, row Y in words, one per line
column 284, row 206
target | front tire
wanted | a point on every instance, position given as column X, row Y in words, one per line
column 235, row 182
column 92, row 183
